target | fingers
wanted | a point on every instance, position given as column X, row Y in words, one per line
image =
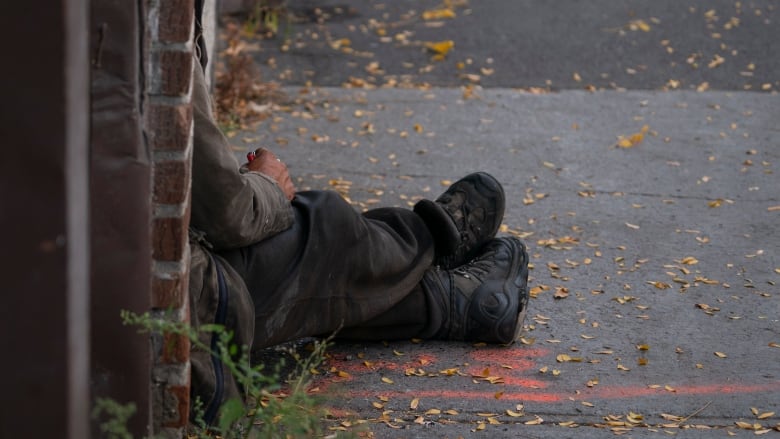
column 267, row 163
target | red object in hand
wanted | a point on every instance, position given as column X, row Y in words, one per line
column 250, row 156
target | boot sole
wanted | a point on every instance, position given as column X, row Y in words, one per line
column 518, row 280
column 432, row 213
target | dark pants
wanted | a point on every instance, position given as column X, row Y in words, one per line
column 336, row 268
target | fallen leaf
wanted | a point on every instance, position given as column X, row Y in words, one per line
column 720, row 355
column 536, row 421
column 387, row 380
column 438, row 14
column 440, row 47
column 561, row 293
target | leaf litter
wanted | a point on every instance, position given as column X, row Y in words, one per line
column 682, row 280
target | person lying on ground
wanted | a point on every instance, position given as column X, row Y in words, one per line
column 272, row 264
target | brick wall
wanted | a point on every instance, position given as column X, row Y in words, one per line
column 168, row 113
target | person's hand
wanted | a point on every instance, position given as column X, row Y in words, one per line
column 266, row 162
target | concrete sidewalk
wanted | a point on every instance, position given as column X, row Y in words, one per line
column 650, row 216
column 654, row 266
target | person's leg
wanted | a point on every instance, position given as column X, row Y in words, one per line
column 485, row 299
column 333, row 268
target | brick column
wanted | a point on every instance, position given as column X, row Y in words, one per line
column 168, row 113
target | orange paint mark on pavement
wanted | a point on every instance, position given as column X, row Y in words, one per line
column 614, row 392
column 510, row 371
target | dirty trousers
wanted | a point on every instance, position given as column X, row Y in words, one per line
column 338, row 269
column 334, row 268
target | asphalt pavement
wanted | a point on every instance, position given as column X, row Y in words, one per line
column 637, row 142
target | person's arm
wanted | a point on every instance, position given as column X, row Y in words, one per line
column 232, row 208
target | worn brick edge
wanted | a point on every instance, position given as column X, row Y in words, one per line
column 168, row 129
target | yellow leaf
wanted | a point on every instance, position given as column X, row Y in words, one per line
column 387, row 380
column 378, row 405
column 562, row 358
column 440, row 47
column 451, row 412
column 343, row 374
column 643, row 347
column 438, row 14
column 415, row 402
column 765, row 415
column 720, row 355
column 744, row 425
column 587, row 404
column 624, row 143
column 689, row 260
column 433, row 412
column 623, row 368
column 514, row 414
column 715, row 203
column 774, row 345
column 536, row 421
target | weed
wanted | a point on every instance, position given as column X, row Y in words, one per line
column 273, row 406
column 241, row 94
column 264, row 18
column 114, row 417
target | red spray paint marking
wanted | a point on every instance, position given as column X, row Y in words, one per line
column 606, row 393
column 614, row 392
column 516, row 385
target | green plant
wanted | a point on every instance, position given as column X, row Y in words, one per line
column 114, row 417
column 274, row 406
column 264, row 17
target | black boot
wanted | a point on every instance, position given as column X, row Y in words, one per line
column 486, row 299
column 463, row 218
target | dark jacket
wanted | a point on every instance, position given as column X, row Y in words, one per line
column 230, row 208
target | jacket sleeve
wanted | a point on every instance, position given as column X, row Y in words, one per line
column 233, row 207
